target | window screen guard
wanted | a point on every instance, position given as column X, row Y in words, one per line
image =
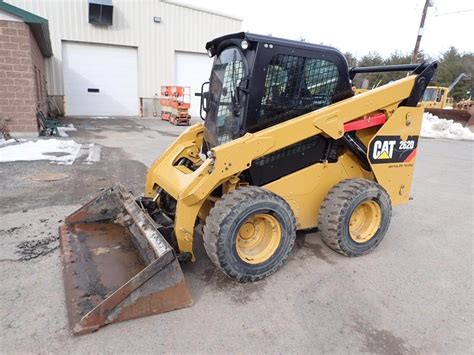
column 296, row 85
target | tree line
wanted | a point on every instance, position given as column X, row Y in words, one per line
column 452, row 63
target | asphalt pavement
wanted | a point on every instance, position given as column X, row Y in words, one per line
column 413, row 294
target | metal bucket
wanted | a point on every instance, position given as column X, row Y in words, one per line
column 117, row 265
column 461, row 116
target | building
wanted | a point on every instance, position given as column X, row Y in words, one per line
column 110, row 57
column 24, row 47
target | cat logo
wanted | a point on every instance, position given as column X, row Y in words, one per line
column 383, row 149
column 392, row 149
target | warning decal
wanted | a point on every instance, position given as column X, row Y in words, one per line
column 392, row 149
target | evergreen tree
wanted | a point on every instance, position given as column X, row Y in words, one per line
column 451, row 64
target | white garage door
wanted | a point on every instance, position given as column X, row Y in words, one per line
column 192, row 69
column 100, row 80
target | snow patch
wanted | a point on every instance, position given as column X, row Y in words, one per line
column 94, row 153
column 55, row 150
column 64, row 129
column 435, row 127
column 5, row 142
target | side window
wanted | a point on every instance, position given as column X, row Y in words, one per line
column 428, row 95
column 320, row 80
column 296, row 85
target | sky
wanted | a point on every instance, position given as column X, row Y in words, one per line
column 357, row 26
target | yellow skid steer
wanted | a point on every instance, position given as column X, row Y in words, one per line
column 285, row 146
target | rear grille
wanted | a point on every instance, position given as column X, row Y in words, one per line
column 288, row 160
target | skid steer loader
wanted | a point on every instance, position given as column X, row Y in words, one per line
column 285, row 146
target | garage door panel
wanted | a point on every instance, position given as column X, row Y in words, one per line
column 112, row 70
column 192, row 69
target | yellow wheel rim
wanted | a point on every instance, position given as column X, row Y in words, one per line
column 258, row 238
column 365, row 221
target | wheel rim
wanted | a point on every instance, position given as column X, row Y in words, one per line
column 258, row 238
column 365, row 221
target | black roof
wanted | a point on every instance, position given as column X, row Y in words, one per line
column 252, row 37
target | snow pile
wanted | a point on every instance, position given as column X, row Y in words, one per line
column 5, row 142
column 56, row 150
column 64, row 129
column 435, row 127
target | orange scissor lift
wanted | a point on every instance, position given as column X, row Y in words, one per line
column 175, row 102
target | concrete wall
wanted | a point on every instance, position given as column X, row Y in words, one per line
column 19, row 56
column 182, row 28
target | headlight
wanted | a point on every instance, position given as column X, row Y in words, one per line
column 244, row 44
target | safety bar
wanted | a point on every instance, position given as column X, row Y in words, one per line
column 384, row 69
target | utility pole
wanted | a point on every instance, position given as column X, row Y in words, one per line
column 420, row 31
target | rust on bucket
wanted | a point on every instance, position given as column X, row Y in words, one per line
column 117, row 265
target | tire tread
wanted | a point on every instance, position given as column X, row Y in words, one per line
column 334, row 207
column 224, row 211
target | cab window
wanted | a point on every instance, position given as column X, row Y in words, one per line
column 296, row 85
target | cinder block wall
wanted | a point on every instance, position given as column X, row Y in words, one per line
column 22, row 78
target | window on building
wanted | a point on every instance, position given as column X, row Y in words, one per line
column 296, row 85
column 101, row 12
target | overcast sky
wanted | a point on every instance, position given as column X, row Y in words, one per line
column 358, row 26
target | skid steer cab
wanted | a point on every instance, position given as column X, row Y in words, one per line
column 285, row 146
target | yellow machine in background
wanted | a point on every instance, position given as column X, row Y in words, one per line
column 285, row 146
column 436, row 101
column 437, row 97
column 358, row 91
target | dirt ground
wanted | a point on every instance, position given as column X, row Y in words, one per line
column 413, row 294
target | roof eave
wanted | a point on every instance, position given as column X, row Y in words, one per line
column 38, row 25
column 42, row 37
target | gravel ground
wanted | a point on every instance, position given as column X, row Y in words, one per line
column 412, row 295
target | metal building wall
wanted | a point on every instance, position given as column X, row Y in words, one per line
column 182, row 28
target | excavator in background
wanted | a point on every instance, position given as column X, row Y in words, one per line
column 285, row 146
column 436, row 101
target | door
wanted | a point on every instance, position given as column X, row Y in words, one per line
column 192, row 69
column 100, row 80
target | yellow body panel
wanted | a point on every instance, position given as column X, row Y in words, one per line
column 304, row 189
column 397, row 178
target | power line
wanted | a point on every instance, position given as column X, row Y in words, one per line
column 454, row 12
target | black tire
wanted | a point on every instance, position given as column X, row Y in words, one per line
column 223, row 224
column 337, row 209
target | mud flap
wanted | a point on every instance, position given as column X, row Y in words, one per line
column 117, row 265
